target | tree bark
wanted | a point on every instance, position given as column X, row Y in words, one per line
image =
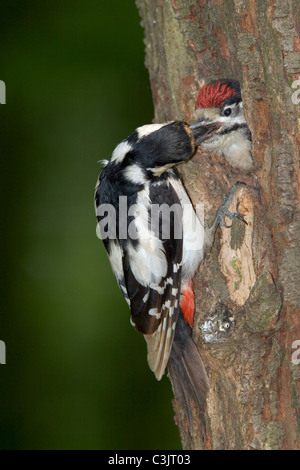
column 253, row 271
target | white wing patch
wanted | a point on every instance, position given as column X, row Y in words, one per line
column 120, row 151
column 148, row 261
column 148, row 129
column 134, row 173
column 115, row 258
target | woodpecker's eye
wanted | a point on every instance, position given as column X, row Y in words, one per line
column 227, row 112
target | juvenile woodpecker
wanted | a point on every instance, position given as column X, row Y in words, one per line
column 221, row 102
column 154, row 265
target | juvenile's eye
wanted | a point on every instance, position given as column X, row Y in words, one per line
column 227, row 112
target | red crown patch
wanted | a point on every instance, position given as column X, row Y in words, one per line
column 213, row 95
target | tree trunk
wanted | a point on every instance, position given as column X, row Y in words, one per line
column 253, row 271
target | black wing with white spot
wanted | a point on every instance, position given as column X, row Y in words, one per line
column 148, row 267
column 152, row 274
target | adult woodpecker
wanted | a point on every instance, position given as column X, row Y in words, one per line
column 153, row 267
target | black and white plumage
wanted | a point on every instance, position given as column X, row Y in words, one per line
column 151, row 270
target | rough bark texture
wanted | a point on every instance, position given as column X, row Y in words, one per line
column 253, row 271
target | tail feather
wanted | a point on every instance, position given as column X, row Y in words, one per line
column 188, row 376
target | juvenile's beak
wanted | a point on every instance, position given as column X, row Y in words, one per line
column 203, row 130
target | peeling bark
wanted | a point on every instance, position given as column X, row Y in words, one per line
column 253, row 272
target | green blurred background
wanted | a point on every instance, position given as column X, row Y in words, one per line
column 76, row 375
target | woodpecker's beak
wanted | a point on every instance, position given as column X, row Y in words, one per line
column 203, row 130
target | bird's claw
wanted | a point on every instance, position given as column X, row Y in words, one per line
column 224, row 212
column 231, row 216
